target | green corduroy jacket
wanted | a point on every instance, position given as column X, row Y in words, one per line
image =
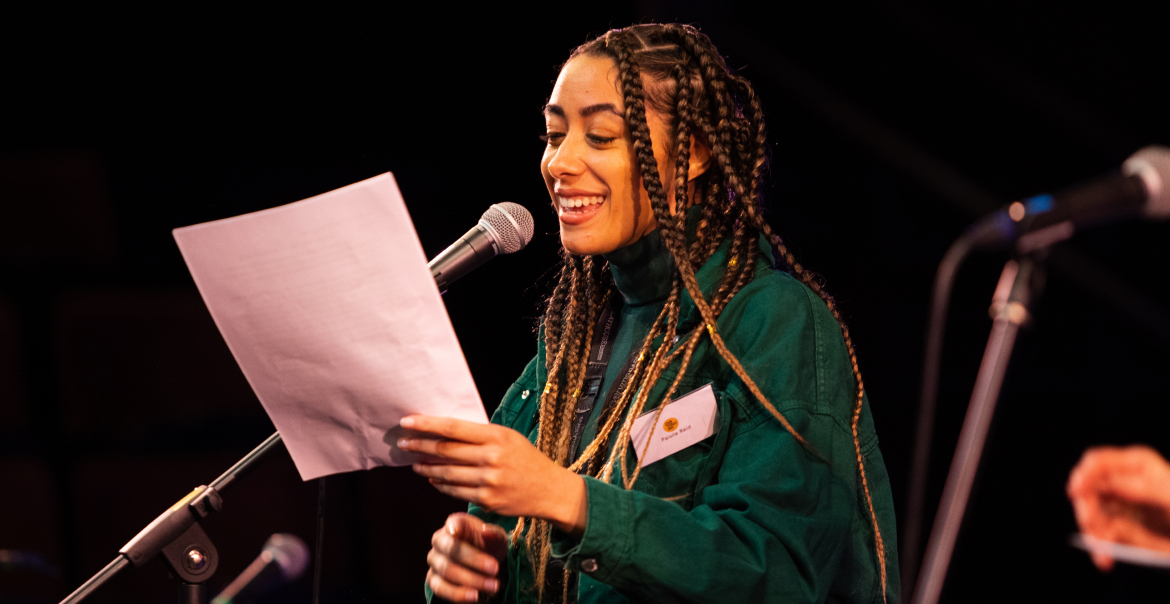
column 748, row 514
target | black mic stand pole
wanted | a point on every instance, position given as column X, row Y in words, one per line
column 178, row 538
column 1009, row 307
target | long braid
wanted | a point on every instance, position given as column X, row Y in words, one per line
column 554, row 314
column 749, row 202
column 631, row 83
column 552, row 403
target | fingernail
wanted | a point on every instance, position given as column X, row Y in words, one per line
column 450, row 527
column 489, row 567
column 403, row 443
column 491, row 585
column 407, row 422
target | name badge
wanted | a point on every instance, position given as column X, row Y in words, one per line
column 684, row 421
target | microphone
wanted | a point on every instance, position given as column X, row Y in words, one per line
column 1141, row 188
column 504, row 228
column 282, row 560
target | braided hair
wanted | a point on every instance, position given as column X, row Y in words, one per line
column 680, row 74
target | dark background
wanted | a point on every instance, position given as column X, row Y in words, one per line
column 892, row 127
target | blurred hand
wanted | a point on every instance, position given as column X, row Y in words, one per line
column 465, row 558
column 497, row 469
column 1122, row 495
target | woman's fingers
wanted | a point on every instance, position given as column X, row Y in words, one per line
column 1136, row 473
column 452, row 450
column 454, row 429
column 456, row 547
column 468, row 476
column 459, row 568
column 457, row 574
column 449, row 591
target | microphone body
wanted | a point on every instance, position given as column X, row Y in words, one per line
column 283, row 560
column 463, row 256
column 1142, row 188
column 504, row 228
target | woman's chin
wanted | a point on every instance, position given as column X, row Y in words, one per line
column 577, row 247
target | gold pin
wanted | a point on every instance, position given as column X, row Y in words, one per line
column 710, row 329
column 731, row 263
column 548, row 387
column 577, row 393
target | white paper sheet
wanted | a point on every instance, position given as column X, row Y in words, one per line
column 332, row 314
column 1121, row 552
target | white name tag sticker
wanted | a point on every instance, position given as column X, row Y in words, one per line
column 684, row 421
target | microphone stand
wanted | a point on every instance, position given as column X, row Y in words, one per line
column 177, row 537
column 1009, row 308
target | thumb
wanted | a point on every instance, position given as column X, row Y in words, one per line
column 463, row 526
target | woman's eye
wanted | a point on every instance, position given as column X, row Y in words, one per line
column 601, row 140
column 553, row 138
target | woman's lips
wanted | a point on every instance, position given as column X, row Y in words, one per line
column 578, row 209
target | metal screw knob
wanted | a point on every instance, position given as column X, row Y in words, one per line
column 195, row 560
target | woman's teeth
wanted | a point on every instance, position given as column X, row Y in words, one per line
column 579, row 202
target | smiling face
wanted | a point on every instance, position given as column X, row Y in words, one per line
column 589, row 164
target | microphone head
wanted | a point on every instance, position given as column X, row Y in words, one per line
column 509, row 224
column 289, row 553
column 1152, row 165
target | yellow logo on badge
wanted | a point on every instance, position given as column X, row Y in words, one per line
column 670, row 424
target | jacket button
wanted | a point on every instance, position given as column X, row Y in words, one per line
column 589, row 565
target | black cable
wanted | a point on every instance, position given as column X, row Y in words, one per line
column 944, row 280
column 320, row 540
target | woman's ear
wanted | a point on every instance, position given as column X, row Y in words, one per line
column 700, row 158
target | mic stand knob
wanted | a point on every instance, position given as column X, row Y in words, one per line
column 192, row 559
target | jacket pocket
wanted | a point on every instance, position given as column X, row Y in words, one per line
column 680, row 475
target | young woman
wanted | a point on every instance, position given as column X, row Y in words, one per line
column 672, row 281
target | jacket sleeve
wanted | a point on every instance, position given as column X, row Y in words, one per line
column 769, row 528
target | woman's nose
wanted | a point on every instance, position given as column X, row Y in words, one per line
column 566, row 160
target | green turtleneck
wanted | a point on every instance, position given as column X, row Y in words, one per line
column 642, row 272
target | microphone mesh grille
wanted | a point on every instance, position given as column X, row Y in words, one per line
column 511, row 223
column 290, row 553
column 1152, row 164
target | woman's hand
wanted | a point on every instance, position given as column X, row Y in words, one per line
column 497, row 469
column 465, row 558
column 1122, row 495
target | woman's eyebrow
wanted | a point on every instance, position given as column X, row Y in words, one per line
column 599, row 107
column 557, row 110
